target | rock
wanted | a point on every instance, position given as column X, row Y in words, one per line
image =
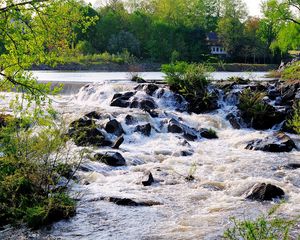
column 198, row 105
column 138, row 79
column 208, row 133
column 129, row 120
column 234, row 120
column 121, row 99
column 118, row 142
column 82, row 122
column 85, row 133
column 292, row 166
column 147, row 179
column 93, row 115
column 147, row 104
column 264, row 192
column 144, row 129
column 278, row 142
column 119, row 102
column 150, row 88
column 153, row 113
column 110, row 158
column 130, row 202
column 186, row 153
column 176, row 127
column 114, row 127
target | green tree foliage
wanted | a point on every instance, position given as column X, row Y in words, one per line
column 124, row 41
column 286, row 15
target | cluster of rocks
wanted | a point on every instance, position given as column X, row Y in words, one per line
column 87, row 131
column 278, row 101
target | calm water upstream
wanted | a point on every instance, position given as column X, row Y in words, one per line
column 65, row 76
column 200, row 209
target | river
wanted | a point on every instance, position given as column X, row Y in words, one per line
column 201, row 209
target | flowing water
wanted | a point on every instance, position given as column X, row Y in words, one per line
column 199, row 209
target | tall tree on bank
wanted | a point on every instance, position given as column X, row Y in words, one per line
column 286, row 15
column 34, row 32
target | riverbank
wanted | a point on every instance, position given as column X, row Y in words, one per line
column 149, row 67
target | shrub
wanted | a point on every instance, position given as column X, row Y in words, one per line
column 34, row 158
column 256, row 112
column 294, row 123
column 265, row 227
column 292, row 72
column 191, row 80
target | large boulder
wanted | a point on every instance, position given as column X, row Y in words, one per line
column 202, row 104
column 121, row 99
column 176, row 127
column 144, row 129
column 111, row 158
column 265, row 192
column 114, row 127
column 278, row 142
column 145, row 104
column 84, row 132
column 208, row 133
column 150, row 88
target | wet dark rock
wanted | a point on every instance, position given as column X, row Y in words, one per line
column 114, row 127
column 150, row 88
column 265, row 119
column 278, row 142
column 93, row 115
column 118, row 142
column 119, row 102
column 84, row 132
column 144, row 129
column 121, row 99
column 129, row 120
column 147, row 179
column 82, row 122
column 129, row 202
column 234, row 120
column 110, row 158
column 265, row 192
column 198, row 105
column 291, row 166
column 208, row 133
column 189, row 133
column 186, row 153
column 138, row 79
column 147, row 104
column 175, row 127
column 153, row 113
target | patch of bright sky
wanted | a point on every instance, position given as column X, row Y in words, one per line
column 253, row 6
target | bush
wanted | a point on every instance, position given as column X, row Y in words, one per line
column 191, row 80
column 256, row 112
column 294, row 123
column 34, row 158
column 292, row 72
column 265, row 227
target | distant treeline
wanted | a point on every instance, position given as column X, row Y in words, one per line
column 168, row 30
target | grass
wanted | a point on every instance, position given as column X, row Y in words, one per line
column 265, row 227
column 292, row 72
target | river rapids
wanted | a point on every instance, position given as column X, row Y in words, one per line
column 222, row 169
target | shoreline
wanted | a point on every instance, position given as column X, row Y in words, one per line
column 150, row 67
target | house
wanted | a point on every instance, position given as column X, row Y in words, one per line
column 216, row 46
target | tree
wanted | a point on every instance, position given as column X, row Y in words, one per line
column 34, row 32
column 286, row 15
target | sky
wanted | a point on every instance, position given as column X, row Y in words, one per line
column 253, row 6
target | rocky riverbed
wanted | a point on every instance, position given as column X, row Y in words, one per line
column 157, row 170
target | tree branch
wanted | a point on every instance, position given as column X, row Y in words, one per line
column 32, row 2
